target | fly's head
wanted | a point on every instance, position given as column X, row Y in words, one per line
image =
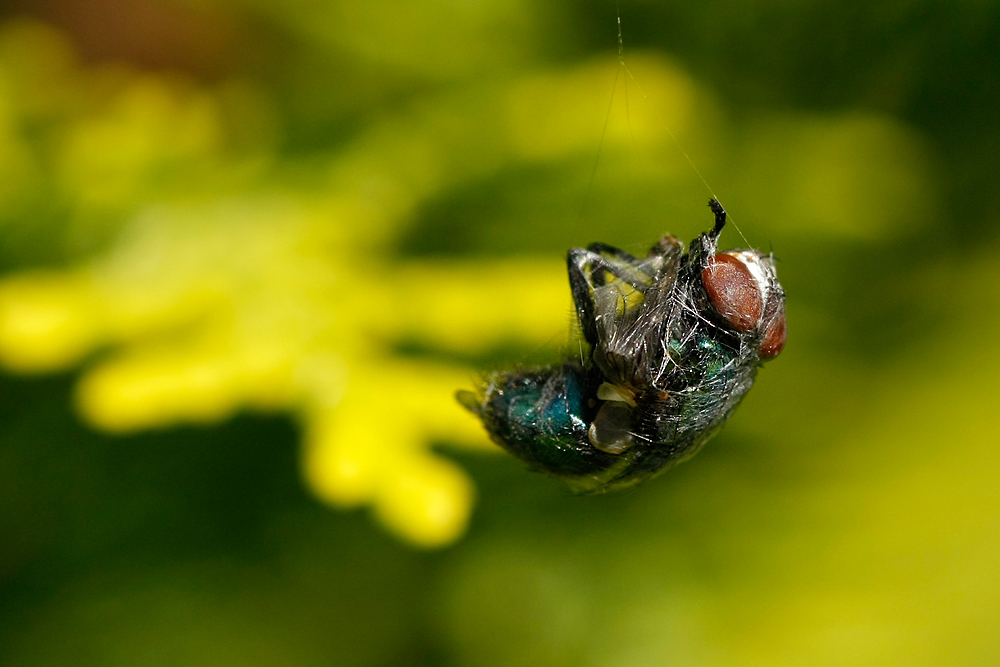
column 742, row 294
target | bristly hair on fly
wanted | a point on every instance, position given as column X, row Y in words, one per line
column 673, row 344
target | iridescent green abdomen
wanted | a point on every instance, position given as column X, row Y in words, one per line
column 541, row 416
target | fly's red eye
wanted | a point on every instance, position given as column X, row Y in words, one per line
column 733, row 291
column 774, row 337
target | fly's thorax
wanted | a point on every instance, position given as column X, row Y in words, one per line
column 636, row 352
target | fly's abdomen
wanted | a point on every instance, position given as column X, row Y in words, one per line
column 542, row 416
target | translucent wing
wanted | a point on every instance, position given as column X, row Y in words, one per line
column 623, row 305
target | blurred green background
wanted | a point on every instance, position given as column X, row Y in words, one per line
column 849, row 513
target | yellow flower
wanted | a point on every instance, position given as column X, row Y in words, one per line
column 239, row 304
column 224, row 289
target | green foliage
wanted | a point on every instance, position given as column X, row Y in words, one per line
column 214, row 243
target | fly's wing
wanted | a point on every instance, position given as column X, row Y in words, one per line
column 614, row 294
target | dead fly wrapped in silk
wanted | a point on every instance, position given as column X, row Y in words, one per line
column 673, row 343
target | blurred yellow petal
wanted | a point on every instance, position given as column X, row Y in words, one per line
column 468, row 307
column 427, row 500
column 340, row 467
column 158, row 387
column 445, row 419
column 424, row 402
column 47, row 321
